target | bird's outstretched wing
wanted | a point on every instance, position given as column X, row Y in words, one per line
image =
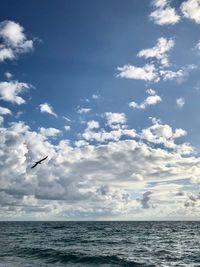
column 43, row 158
column 38, row 162
column 34, row 165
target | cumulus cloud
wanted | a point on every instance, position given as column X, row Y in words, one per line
column 49, row 132
column 180, row 102
column 115, row 120
column 93, row 124
column 9, row 91
column 159, row 51
column 191, row 10
column 81, row 143
column 163, row 134
column 153, row 99
column 198, row 45
column 163, row 13
column 158, row 66
column 100, row 180
column 13, row 40
column 150, row 91
column 5, row 111
column 105, row 136
column 46, row 108
column 146, row 73
column 180, row 75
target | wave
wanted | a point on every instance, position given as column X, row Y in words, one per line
column 54, row 256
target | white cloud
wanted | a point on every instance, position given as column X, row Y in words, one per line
column 12, row 32
column 9, row 91
column 49, row 132
column 198, row 45
column 115, row 120
column 152, row 100
column 84, row 110
column 163, row 13
column 160, row 133
column 180, row 75
column 94, row 96
column 67, row 128
column 160, row 3
column 5, row 111
column 180, row 102
column 46, row 108
column 81, row 143
column 104, row 136
column 6, row 53
column 100, row 180
column 156, row 70
column 93, row 124
column 147, row 73
column 8, row 75
column 149, row 101
column 191, row 10
column 159, row 51
column 14, row 40
column 151, row 91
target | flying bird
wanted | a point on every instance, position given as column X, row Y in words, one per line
column 38, row 162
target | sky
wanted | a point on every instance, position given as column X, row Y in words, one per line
column 110, row 92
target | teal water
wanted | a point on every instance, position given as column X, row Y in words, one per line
column 107, row 244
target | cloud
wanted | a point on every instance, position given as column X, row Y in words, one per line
column 92, row 181
column 192, row 200
column 156, row 69
column 9, row 91
column 153, row 99
column 94, row 96
column 163, row 134
column 46, row 108
column 180, row 102
column 93, row 124
column 105, row 136
column 146, row 73
column 163, row 13
column 115, row 120
column 67, row 128
column 151, row 91
column 81, row 143
column 159, row 51
column 8, row 75
column 5, row 111
column 14, row 41
column 198, row 45
column 191, row 10
column 49, row 132
column 180, row 75
column 160, row 3
column 84, row 110
column 145, row 200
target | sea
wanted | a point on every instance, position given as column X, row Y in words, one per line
column 105, row 244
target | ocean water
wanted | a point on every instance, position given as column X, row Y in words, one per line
column 107, row 244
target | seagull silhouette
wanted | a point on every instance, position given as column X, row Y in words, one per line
column 38, row 162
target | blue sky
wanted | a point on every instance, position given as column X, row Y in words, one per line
column 94, row 63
